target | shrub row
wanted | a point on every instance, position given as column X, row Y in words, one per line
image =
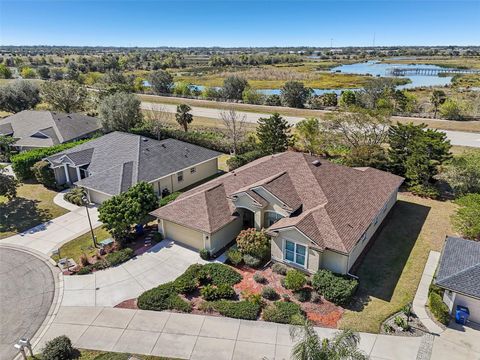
column 223, row 291
column 336, row 288
column 239, row 160
column 169, row 198
column 22, row 163
column 246, row 310
column 438, row 308
column 282, row 312
column 163, row 297
column 208, row 139
column 119, row 257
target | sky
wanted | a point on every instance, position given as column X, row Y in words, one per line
column 228, row 23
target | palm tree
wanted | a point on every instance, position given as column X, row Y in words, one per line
column 343, row 346
column 438, row 98
column 183, row 116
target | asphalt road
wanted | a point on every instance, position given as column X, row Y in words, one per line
column 456, row 137
column 26, row 294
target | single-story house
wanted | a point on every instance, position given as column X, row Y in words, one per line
column 458, row 273
column 111, row 164
column 39, row 129
column 319, row 214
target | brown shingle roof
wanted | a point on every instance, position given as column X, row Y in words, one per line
column 338, row 203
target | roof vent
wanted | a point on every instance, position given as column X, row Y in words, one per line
column 316, row 163
column 144, row 139
column 163, row 145
column 186, row 152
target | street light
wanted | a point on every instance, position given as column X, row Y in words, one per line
column 85, row 201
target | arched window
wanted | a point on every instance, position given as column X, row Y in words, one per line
column 270, row 218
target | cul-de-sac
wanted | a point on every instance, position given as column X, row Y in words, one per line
column 239, row 180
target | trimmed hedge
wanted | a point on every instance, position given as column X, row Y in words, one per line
column 281, row 312
column 163, row 297
column 218, row 274
column 438, row 308
column 119, row 257
column 59, row 348
column 214, row 140
column 210, row 292
column 22, row 163
column 239, row 160
column 336, row 288
column 246, row 310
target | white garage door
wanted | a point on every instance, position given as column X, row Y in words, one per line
column 184, row 235
column 472, row 304
column 97, row 197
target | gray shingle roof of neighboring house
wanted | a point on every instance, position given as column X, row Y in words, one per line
column 337, row 203
column 47, row 128
column 459, row 266
column 119, row 160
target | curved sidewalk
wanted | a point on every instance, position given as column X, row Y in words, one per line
column 190, row 336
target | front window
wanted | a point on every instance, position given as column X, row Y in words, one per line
column 180, row 176
column 271, row 218
column 295, row 253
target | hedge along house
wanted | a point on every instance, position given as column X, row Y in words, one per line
column 40, row 129
column 458, row 273
column 111, row 164
column 319, row 214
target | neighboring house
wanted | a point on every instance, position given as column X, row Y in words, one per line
column 111, row 164
column 38, row 129
column 320, row 215
column 459, row 274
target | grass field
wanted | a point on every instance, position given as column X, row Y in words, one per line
column 392, row 268
column 33, row 206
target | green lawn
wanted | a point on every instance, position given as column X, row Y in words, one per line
column 82, row 244
column 33, row 206
column 392, row 268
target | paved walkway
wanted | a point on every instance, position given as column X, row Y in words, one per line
column 421, row 296
column 162, row 263
column 54, row 233
column 190, row 336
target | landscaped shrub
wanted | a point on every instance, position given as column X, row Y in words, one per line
column 279, row 268
column 286, row 297
column 259, row 278
column 235, row 256
column 205, row 254
column 336, row 288
column 211, row 293
column 23, row 162
column 438, row 308
column 85, row 270
column 168, row 199
column 100, row 265
column 303, row 295
column 239, row 160
column 207, row 306
column 252, row 261
column 75, row 196
column 401, row 322
column 59, row 348
column 219, row 274
column 186, row 283
column 163, row 297
column 281, row 312
column 428, row 191
column 246, row 310
column 44, row 174
column 295, row 280
column 119, row 257
column 269, row 293
column 253, row 242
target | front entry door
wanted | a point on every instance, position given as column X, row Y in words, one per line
column 248, row 219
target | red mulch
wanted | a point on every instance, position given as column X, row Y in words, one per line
column 323, row 313
column 128, row 304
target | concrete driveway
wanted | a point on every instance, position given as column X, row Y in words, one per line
column 54, row 233
column 162, row 263
column 27, row 292
column 457, row 342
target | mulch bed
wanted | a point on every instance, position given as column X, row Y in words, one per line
column 323, row 313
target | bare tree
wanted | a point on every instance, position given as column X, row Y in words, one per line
column 235, row 124
column 156, row 118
